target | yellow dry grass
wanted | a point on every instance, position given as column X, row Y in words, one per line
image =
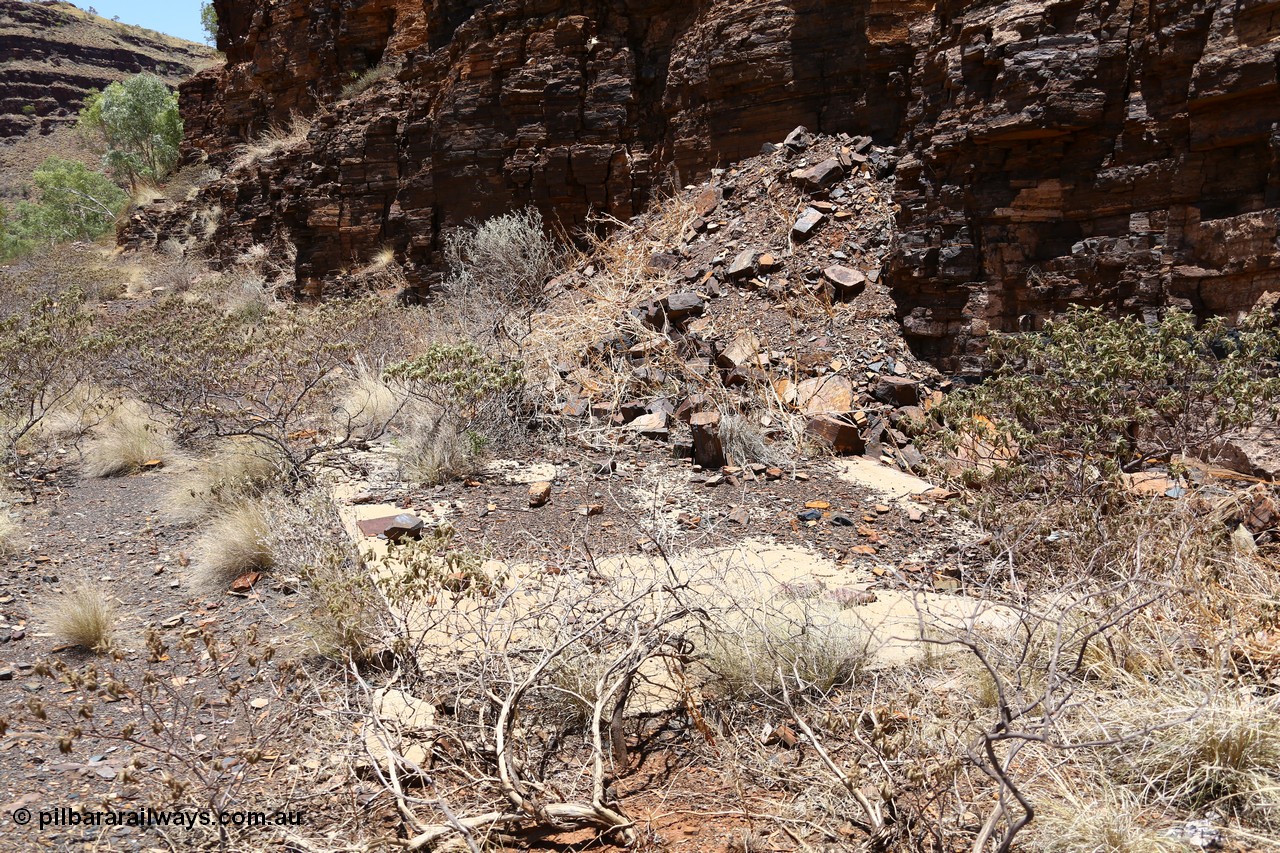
column 127, row 440
column 83, row 616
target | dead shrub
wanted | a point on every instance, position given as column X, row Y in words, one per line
column 130, row 438
column 234, row 542
column 499, row 268
column 83, row 616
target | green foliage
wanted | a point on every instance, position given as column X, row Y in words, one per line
column 433, row 564
column 29, row 110
column 209, row 21
column 74, row 203
column 455, row 377
column 1112, row 393
column 137, row 124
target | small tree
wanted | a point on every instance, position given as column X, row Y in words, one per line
column 137, row 125
column 209, row 20
column 75, row 203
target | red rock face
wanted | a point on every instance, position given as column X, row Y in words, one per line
column 1118, row 152
column 1101, row 153
column 575, row 107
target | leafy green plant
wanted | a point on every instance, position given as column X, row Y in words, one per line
column 209, row 22
column 1111, row 394
column 74, row 203
column 454, row 387
column 137, row 124
column 455, row 376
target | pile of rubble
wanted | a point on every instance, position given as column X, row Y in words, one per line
column 769, row 304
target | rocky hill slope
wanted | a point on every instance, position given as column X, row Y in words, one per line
column 52, row 55
column 1120, row 153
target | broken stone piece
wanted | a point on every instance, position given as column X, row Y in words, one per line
column 843, row 436
column 743, row 266
column 539, row 494
column 897, row 391
column 848, row 283
column 680, row 307
column 825, row 394
column 708, row 451
column 820, row 177
column 798, row 140
column 808, row 224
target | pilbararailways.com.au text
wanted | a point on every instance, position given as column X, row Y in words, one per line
column 146, row 817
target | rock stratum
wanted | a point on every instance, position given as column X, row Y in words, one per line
column 1110, row 152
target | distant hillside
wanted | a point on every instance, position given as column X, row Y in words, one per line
column 52, row 55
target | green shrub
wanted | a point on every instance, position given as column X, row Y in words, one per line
column 74, row 203
column 137, row 124
column 1109, row 394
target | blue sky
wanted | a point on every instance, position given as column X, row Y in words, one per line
column 179, row 18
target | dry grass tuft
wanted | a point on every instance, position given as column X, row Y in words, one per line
column 366, row 81
column 1222, row 754
column 744, row 442
column 126, row 441
column 348, row 620
column 275, row 140
column 234, row 542
column 744, row 661
column 1112, row 822
column 435, row 450
column 240, row 468
column 82, row 616
column 368, row 405
column 8, row 535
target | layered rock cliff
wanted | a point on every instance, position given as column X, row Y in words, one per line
column 1119, row 152
column 1122, row 153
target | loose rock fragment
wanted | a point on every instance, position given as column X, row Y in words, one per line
column 539, row 494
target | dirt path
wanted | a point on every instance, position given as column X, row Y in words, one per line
column 202, row 651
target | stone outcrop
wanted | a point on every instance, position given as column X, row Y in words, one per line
column 1118, row 152
column 52, row 55
column 574, row 107
column 1124, row 154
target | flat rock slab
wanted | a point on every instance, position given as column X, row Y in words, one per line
column 522, row 473
column 890, row 482
column 394, row 528
column 808, row 224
